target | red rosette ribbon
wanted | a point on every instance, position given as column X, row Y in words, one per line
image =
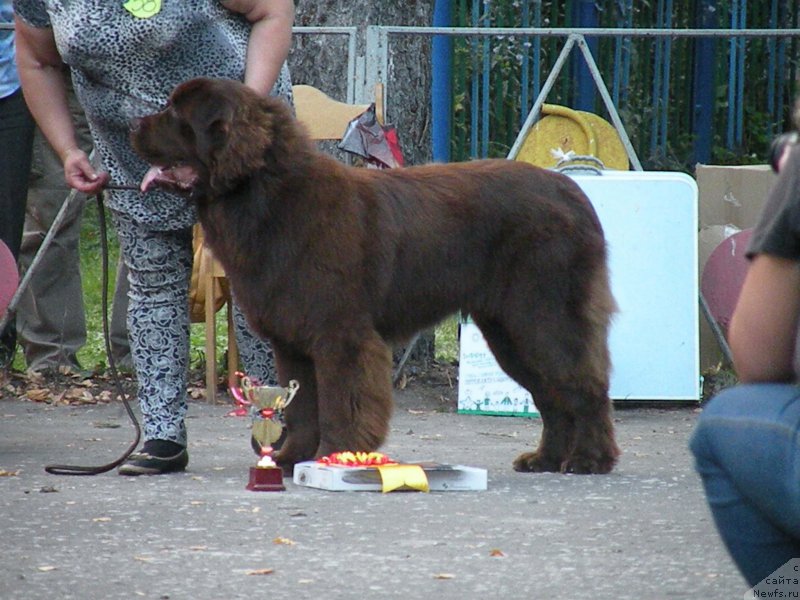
column 357, row 459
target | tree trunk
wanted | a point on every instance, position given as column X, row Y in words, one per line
column 321, row 60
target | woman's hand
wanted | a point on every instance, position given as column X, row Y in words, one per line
column 80, row 174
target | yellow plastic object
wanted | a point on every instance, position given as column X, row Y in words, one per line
column 563, row 129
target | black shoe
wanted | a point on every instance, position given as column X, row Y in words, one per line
column 153, row 460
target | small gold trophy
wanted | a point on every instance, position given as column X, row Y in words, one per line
column 265, row 405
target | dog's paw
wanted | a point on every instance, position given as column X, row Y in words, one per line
column 585, row 465
column 287, row 460
column 286, row 465
column 535, row 462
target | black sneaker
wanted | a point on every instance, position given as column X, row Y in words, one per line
column 153, row 460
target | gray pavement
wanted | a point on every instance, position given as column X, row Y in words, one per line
column 642, row 532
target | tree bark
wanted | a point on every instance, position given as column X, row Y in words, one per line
column 321, row 60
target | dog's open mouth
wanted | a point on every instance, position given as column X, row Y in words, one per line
column 180, row 178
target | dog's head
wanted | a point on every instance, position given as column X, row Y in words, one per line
column 213, row 134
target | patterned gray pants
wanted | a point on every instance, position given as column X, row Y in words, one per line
column 160, row 267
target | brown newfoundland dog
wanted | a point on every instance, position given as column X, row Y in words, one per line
column 334, row 263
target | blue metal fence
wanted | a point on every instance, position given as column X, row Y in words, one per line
column 686, row 98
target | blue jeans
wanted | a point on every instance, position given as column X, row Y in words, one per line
column 747, row 451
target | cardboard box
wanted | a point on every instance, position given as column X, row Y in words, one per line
column 732, row 195
column 441, row 478
column 731, row 199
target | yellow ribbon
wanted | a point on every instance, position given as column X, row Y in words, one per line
column 395, row 477
column 143, row 9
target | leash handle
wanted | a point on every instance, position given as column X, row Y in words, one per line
column 82, row 470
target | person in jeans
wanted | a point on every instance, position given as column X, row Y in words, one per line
column 747, row 440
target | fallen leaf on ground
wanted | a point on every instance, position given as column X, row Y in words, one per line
column 444, row 576
column 497, row 553
column 4, row 473
column 261, row 572
column 46, row 568
column 284, row 541
column 403, row 383
column 38, row 395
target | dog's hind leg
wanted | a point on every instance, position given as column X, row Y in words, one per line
column 355, row 391
column 302, row 414
column 558, row 428
column 585, row 388
column 559, row 352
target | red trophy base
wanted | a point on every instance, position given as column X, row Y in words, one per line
column 266, row 479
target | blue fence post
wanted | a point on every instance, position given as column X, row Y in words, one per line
column 705, row 51
column 622, row 55
column 474, row 113
column 442, row 86
column 585, row 14
column 734, row 134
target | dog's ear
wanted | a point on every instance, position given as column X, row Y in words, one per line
column 211, row 135
column 233, row 143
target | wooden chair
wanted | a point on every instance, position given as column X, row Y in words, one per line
column 325, row 119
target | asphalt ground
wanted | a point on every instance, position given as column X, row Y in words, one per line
column 641, row 532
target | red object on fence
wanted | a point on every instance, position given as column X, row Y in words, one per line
column 9, row 277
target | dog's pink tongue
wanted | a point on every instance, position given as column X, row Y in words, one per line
column 152, row 174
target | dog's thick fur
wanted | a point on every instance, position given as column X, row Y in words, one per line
column 334, row 263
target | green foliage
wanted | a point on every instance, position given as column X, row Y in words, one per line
column 93, row 354
column 446, row 341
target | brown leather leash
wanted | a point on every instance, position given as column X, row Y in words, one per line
column 96, row 470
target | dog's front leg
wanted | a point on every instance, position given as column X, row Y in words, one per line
column 301, row 414
column 354, row 378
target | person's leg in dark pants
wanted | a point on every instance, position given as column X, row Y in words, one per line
column 16, row 132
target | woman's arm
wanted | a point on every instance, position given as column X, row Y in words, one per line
column 764, row 324
column 41, row 73
column 270, row 39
